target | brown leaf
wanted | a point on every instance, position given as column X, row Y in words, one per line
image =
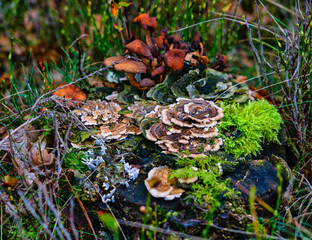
column 10, row 181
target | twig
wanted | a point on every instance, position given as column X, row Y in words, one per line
column 83, row 209
column 157, row 229
column 183, row 235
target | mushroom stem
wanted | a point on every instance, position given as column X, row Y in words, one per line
column 134, row 83
column 148, row 38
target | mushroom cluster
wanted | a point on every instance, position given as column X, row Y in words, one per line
column 106, row 115
column 187, row 128
column 160, row 186
column 155, row 57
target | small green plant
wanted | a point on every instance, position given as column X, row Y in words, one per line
column 74, row 159
column 110, row 222
column 209, row 186
column 154, row 216
column 250, row 126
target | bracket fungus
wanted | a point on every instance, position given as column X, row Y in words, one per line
column 187, row 128
column 112, row 126
column 159, row 185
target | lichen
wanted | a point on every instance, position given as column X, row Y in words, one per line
column 245, row 127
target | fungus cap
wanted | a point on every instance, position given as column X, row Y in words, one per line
column 146, row 21
column 158, row 71
column 140, row 48
column 70, row 91
column 147, row 82
column 159, row 185
column 174, row 59
column 129, row 66
column 186, row 126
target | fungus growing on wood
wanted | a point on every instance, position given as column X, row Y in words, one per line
column 106, row 114
column 160, row 186
column 187, row 128
column 98, row 112
column 70, row 92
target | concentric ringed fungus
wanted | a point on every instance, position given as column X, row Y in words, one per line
column 187, row 128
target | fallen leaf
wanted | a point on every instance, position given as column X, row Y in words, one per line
column 10, row 181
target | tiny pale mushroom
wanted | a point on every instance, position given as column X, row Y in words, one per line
column 159, row 185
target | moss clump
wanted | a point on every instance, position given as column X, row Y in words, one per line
column 245, row 127
column 209, row 188
column 73, row 160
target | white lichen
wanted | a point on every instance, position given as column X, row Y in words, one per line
column 132, row 172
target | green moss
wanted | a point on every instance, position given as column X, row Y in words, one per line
column 74, row 159
column 209, row 188
column 245, row 127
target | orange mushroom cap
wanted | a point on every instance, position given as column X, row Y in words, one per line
column 174, row 59
column 161, row 38
column 146, row 21
column 72, row 92
column 158, row 71
column 140, row 48
column 127, row 65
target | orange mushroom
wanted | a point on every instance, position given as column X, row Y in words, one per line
column 71, row 92
column 220, row 63
column 129, row 66
column 162, row 37
column 140, row 48
column 147, row 83
column 174, row 59
column 149, row 24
